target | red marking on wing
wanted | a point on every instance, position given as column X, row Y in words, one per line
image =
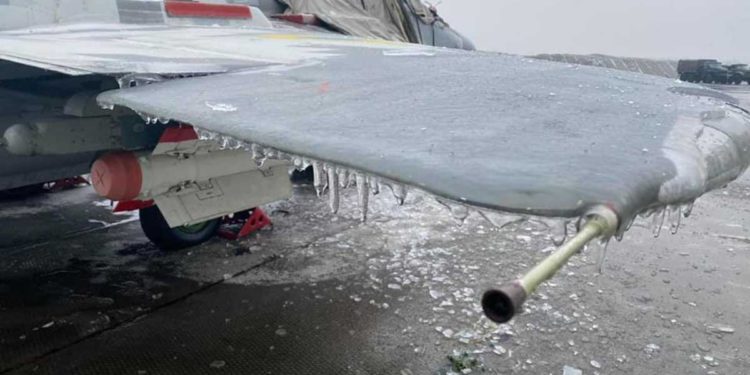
column 205, row 10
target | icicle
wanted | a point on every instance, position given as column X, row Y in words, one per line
column 364, row 194
column 620, row 234
column 257, row 151
column 629, row 224
column 352, row 180
column 558, row 230
column 399, row 192
column 675, row 215
column 658, row 221
column 333, row 193
column 306, row 163
column 224, row 142
column 603, row 245
column 499, row 220
column 319, row 177
column 687, row 209
column 374, row 183
column 343, row 177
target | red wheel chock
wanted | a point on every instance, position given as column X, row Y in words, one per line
column 67, row 183
column 248, row 222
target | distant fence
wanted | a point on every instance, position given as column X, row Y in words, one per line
column 663, row 68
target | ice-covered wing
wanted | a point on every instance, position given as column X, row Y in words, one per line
column 78, row 49
column 495, row 131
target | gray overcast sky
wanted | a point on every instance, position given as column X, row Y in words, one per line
column 635, row 28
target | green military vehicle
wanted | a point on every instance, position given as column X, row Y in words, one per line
column 739, row 73
column 705, row 71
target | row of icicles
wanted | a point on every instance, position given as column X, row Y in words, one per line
column 331, row 178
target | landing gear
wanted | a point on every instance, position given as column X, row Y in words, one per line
column 158, row 231
column 22, row 192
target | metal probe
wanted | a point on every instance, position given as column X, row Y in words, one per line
column 503, row 303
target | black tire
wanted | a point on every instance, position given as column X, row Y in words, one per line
column 22, row 192
column 157, row 230
column 303, row 176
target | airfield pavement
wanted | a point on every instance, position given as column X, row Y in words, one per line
column 83, row 292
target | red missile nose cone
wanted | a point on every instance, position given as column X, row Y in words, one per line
column 117, row 176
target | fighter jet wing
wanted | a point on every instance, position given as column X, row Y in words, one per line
column 495, row 131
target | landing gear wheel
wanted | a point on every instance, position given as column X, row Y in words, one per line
column 158, row 231
column 22, row 192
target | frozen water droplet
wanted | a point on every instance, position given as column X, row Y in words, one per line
column 399, row 192
column 675, row 216
column 319, row 177
column 297, row 162
column 333, row 192
column 363, row 192
column 374, row 183
column 658, row 221
column 687, row 209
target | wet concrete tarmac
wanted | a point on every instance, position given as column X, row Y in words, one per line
column 83, row 292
